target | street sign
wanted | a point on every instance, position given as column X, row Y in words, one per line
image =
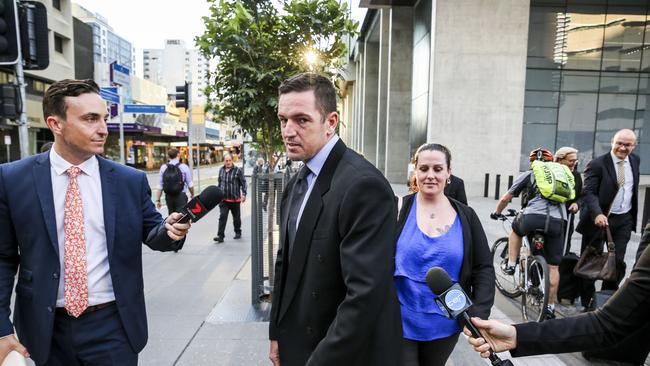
column 120, row 75
column 108, row 95
column 7, row 140
column 144, row 108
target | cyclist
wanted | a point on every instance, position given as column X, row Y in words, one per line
column 539, row 214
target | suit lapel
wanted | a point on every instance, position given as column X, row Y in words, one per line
column 307, row 225
column 609, row 167
column 107, row 176
column 43, row 182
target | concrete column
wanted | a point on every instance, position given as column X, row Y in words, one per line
column 398, row 106
column 382, row 85
column 370, row 98
column 358, row 106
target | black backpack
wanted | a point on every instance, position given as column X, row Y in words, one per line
column 172, row 180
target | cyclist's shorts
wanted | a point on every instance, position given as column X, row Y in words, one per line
column 553, row 239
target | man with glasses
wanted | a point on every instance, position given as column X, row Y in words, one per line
column 610, row 199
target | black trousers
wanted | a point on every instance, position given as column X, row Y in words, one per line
column 175, row 203
column 96, row 338
column 224, row 208
column 621, row 229
column 427, row 353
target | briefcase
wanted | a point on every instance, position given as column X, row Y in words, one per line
column 594, row 264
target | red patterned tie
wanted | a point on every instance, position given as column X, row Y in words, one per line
column 74, row 258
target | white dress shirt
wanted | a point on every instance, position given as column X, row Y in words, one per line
column 623, row 200
column 100, row 285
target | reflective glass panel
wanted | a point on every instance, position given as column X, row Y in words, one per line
column 624, row 29
column 580, row 81
column 584, row 37
column 619, row 82
column 546, row 37
column 537, row 79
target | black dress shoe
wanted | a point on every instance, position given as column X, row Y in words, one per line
column 237, row 236
column 218, row 239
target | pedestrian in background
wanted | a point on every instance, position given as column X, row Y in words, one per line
column 333, row 299
column 176, row 182
column 435, row 230
column 610, row 199
column 72, row 225
column 569, row 156
column 233, row 184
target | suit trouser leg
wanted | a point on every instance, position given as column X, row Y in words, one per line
column 96, row 339
column 223, row 218
column 235, row 208
column 588, row 288
column 175, row 203
column 621, row 228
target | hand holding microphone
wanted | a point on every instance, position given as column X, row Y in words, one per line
column 494, row 336
column 177, row 224
column 453, row 300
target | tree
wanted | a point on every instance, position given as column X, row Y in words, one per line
column 257, row 46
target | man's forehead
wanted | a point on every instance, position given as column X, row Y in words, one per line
column 87, row 103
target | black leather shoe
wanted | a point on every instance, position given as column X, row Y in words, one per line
column 218, row 239
column 237, row 236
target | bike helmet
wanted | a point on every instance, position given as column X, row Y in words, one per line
column 540, row 154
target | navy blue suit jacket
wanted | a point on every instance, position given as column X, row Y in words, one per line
column 29, row 245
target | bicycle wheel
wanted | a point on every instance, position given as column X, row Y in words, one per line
column 536, row 290
column 506, row 284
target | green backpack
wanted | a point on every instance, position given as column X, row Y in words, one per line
column 554, row 181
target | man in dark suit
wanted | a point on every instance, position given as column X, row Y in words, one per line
column 610, row 199
column 72, row 226
column 334, row 302
column 456, row 189
column 625, row 313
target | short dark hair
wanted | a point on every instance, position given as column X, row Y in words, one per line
column 323, row 88
column 54, row 99
column 172, row 153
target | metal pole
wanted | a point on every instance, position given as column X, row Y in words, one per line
column 119, row 113
column 188, row 109
column 497, row 187
column 23, row 130
column 8, row 153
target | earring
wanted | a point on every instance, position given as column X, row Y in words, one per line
column 448, row 180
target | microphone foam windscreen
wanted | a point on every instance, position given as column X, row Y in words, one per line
column 438, row 280
column 211, row 196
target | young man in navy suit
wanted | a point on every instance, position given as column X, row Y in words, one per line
column 72, row 226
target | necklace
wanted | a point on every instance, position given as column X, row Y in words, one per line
column 432, row 216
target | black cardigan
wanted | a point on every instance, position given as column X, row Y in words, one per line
column 477, row 272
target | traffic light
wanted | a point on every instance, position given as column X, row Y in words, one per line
column 182, row 96
column 10, row 105
column 34, row 35
column 8, row 33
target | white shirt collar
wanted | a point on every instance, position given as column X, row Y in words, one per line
column 616, row 159
column 89, row 167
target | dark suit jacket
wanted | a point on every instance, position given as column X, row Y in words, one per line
column 29, row 244
column 600, row 189
column 335, row 303
column 456, row 189
column 477, row 271
column 624, row 313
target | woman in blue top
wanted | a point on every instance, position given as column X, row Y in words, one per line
column 434, row 230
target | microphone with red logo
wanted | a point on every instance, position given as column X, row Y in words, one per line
column 200, row 205
column 194, row 210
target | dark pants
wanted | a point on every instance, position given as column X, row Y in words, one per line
column 175, row 203
column 96, row 339
column 621, row 229
column 427, row 353
column 224, row 208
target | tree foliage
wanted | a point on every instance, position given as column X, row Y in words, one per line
column 257, row 46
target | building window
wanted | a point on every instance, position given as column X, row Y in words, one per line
column 56, row 4
column 58, row 43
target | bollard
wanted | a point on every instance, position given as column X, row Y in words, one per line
column 510, row 179
column 646, row 208
column 486, row 188
column 496, row 188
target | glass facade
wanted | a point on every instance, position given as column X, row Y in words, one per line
column 587, row 76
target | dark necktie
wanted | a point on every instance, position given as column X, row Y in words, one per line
column 297, row 196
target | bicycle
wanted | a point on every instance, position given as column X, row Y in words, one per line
column 533, row 283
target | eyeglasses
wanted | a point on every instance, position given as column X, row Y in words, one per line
column 625, row 145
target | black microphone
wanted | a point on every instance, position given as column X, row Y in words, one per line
column 194, row 210
column 453, row 300
column 200, row 205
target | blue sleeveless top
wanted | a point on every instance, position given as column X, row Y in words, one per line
column 422, row 319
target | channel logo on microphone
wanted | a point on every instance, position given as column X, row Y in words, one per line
column 455, row 300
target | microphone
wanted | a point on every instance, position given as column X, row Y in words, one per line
column 200, row 205
column 454, row 302
column 194, row 210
